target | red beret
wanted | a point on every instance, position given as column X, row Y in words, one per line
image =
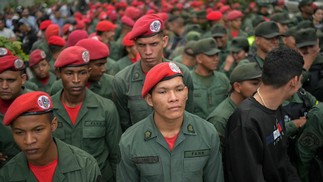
column 234, row 14
column 4, row 51
column 56, row 41
column 103, row 16
column 51, row 30
column 67, row 28
column 163, row 16
column 132, row 12
column 127, row 21
column 146, row 26
column 96, row 48
column 31, row 103
column 236, row 5
column 72, row 56
column 214, row 16
column 160, row 72
column 113, row 16
column 224, row 9
column 10, row 62
column 105, row 26
column 151, row 11
column 126, row 41
column 78, row 15
column 121, row 5
column 36, row 56
column 44, row 24
column 76, row 36
column 79, row 24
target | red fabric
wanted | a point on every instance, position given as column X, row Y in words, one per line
column 127, row 21
column 44, row 24
column 51, row 30
column 5, row 52
column 171, row 141
column 44, row 81
column 234, row 34
column 234, row 14
column 72, row 112
column 72, row 56
column 146, row 26
column 10, row 62
column 97, row 49
column 57, row 41
column 36, row 56
column 132, row 12
column 44, row 173
column 67, row 28
column 214, row 16
column 224, row 9
column 4, row 105
column 126, row 41
column 105, row 26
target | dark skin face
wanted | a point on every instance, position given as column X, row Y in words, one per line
column 10, row 84
column 98, row 69
column 41, row 69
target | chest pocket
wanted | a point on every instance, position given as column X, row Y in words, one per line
column 150, row 168
column 138, row 108
column 194, row 162
column 94, row 136
column 59, row 132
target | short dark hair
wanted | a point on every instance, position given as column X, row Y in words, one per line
column 281, row 65
column 54, row 48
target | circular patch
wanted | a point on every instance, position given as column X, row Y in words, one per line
column 18, row 64
column 44, row 102
column 43, row 54
column 174, row 67
column 86, row 56
column 3, row 51
column 309, row 140
column 155, row 26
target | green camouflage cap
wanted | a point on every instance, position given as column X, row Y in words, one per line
column 267, row 30
column 306, row 37
column 282, row 18
column 189, row 46
column 290, row 32
column 245, row 71
column 206, row 46
column 193, row 35
column 239, row 43
column 218, row 31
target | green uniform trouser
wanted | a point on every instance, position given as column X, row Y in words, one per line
column 73, row 165
column 97, row 130
column 145, row 154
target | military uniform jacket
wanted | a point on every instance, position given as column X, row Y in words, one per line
column 73, row 165
column 47, row 87
column 120, row 64
column 97, row 130
column 103, row 87
column 209, row 92
column 146, row 156
column 127, row 86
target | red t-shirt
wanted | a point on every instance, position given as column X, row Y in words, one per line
column 171, row 141
column 44, row 173
column 4, row 106
column 44, row 81
column 72, row 112
column 234, row 33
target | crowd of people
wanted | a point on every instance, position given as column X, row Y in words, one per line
column 172, row 90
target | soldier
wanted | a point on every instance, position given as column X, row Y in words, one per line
column 220, row 35
column 55, row 46
column 245, row 79
column 149, row 39
column 85, row 119
column 235, row 21
column 255, row 139
column 43, row 158
column 170, row 144
column 282, row 20
column 305, row 11
column 39, row 65
column 288, row 38
column 210, row 86
column 187, row 57
column 12, row 78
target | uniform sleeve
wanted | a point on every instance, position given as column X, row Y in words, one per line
column 113, row 135
column 121, row 102
column 57, row 85
column 213, row 170
column 291, row 128
column 93, row 172
column 189, row 83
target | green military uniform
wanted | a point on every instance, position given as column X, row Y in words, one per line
column 209, row 92
column 51, row 65
column 310, row 141
column 127, row 85
column 120, row 64
column 146, row 155
column 47, row 86
column 43, row 45
column 117, row 50
column 97, row 130
column 110, row 66
column 73, row 165
column 31, row 86
column 103, row 87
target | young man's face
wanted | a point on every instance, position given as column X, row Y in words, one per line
column 168, row 99
column 151, row 50
column 209, row 63
column 267, row 44
column 248, row 87
column 221, row 42
column 10, row 84
column 74, row 79
column 41, row 70
column 33, row 135
column 236, row 24
column 98, row 68
column 240, row 55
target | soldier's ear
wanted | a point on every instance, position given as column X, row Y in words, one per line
column 148, row 100
column 53, row 125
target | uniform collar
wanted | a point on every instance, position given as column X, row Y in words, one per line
column 138, row 74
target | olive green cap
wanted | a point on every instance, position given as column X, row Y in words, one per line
column 306, row 37
column 290, row 32
column 239, row 43
column 218, row 31
column 245, row 71
column 193, row 27
column 282, row 18
column 267, row 30
column 206, row 46
column 304, row 3
column 193, row 35
column 189, row 47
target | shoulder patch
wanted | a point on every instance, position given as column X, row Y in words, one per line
column 309, row 140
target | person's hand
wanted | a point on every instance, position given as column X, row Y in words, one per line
column 3, row 157
column 300, row 122
column 310, row 57
column 228, row 62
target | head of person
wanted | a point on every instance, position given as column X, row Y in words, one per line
column 235, row 19
column 12, row 77
column 176, row 24
column 239, row 48
column 220, row 35
column 129, row 46
column 149, row 38
column 215, row 17
column 318, row 14
column 206, row 54
column 5, row 52
column 267, row 36
column 245, row 79
column 106, row 30
column 165, row 91
column 23, row 27
column 2, row 23
column 56, row 45
column 305, row 6
column 99, row 52
column 283, row 69
column 39, row 64
column 32, row 123
column 306, row 40
column 76, row 36
column 288, row 37
column 282, row 20
column 72, row 66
